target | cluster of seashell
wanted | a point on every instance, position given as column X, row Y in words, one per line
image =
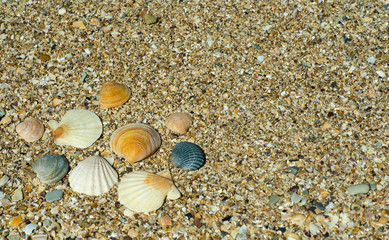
column 78, row 128
column 93, row 176
column 51, row 168
column 30, row 130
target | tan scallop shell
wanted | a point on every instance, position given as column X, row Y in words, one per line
column 93, row 176
column 135, row 142
column 78, row 128
column 114, row 95
column 179, row 122
column 30, row 130
column 144, row 192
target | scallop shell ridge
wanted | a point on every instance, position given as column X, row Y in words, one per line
column 188, row 156
column 144, row 192
column 51, row 168
column 78, row 128
column 93, row 176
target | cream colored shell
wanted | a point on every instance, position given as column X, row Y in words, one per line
column 135, row 142
column 93, row 176
column 78, row 128
column 179, row 122
column 144, row 192
column 30, row 130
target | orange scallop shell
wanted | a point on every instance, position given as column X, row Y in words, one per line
column 179, row 122
column 135, row 142
column 114, row 95
column 30, row 130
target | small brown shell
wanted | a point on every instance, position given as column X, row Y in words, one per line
column 179, row 122
column 114, row 95
column 30, row 130
column 135, row 142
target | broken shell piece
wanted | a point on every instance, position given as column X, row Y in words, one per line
column 51, row 168
column 188, row 156
column 135, row 142
column 93, row 176
column 78, row 128
column 144, row 192
column 30, row 130
column 179, row 122
column 114, row 95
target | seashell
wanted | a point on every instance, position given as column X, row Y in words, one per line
column 114, row 95
column 135, row 142
column 144, row 192
column 78, row 128
column 30, row 130
column 93, row 176
column 51, row 168
column 179, row 122
column 188, row 156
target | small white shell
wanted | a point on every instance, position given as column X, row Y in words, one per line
column 78, row 128
column 94, row 176
column 144, row 192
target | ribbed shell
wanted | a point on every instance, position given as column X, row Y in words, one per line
column 135, row 142
column 30, row 130
column 51, row 168
column 93, row 176
column 78, row 128
column 179, row 122
column 144, row 192
column 114, row 95
column 188, row 156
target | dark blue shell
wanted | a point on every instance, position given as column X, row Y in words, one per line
column 188, row 156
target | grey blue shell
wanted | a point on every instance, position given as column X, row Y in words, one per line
column 51, row 168
column 188, row 156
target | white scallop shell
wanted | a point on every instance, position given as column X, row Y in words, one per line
column 144, row 192
column 78, row 128
column 93, row 176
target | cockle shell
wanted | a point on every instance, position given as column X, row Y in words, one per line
column 144, row 192
column 30, row 130
column 51, row 168
column 135, row 142
column 188, row 156
column 78, row 128
column 93, row 176
column 179, row 122
column 114, row 95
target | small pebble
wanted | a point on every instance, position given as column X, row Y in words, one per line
column 18, row 195
column 2, row 113
column 5, row 120
column 165, row 221
column 150, row 19
column 314, row 229
column 3, row 180
column 54, row 195
column 54, row 210
column 373, row 185
column 39, row 237
column 274, row 199
column 16, row 221
column 62, row 11
column 46, row 223
column 260, row 58
column 380, row 73
column 295, row 198
column 358, row 188
column 371, row 60
column 29, row 228
column 294, row 170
